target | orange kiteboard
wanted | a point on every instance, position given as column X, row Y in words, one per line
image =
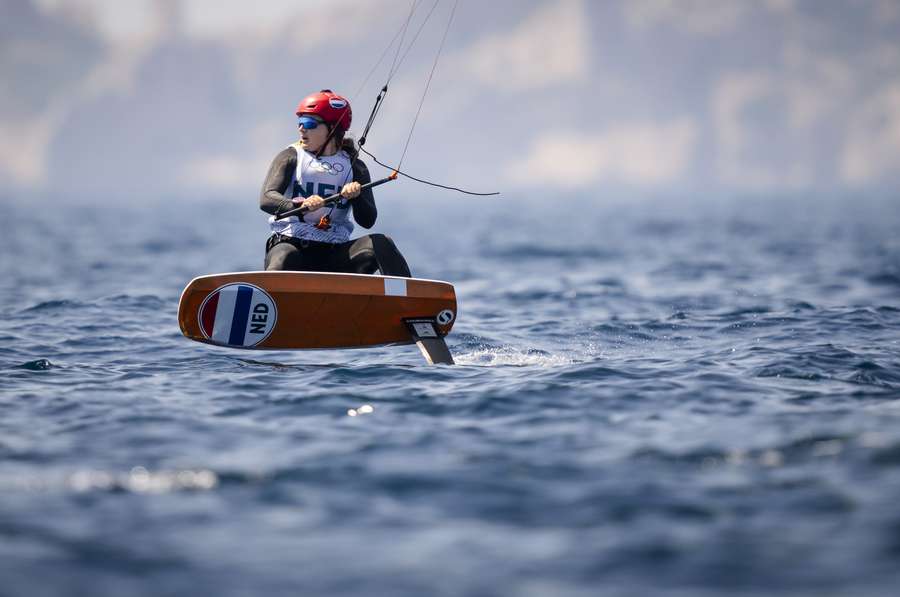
column 309, row 310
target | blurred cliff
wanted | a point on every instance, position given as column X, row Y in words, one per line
column 132, row 101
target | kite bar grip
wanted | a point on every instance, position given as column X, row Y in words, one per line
column 336, row 197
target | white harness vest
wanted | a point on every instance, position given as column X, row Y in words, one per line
column 322, row 176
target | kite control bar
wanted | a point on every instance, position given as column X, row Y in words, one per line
column 336, row 197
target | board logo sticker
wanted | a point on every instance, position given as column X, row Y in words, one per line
column 238, row 314
column 445, row 317
column 423, row 329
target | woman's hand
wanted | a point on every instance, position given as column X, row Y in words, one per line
column 311, row 203
column 351, row 190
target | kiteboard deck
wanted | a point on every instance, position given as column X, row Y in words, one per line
column 279, row 310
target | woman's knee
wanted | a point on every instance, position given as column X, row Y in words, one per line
column 389, row 257
column 383, row 245
column 281, row 257
column 362, row 256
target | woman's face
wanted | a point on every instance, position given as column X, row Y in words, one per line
column 312, row 139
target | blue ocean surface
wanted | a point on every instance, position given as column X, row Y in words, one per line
column 690, row 396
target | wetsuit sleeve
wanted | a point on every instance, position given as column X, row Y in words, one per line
column 280, row 175
column 364, row 210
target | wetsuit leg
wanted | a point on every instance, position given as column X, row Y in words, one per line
column 284, row 256
column 293, row 255
column 374, row 252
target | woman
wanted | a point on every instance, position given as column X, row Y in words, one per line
column 320, row 164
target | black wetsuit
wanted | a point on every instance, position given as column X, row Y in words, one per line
column 364, row 255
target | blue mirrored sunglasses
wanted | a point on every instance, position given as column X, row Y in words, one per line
column 308, row 122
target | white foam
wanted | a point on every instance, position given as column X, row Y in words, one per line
column 137, row 480
column 507, row 355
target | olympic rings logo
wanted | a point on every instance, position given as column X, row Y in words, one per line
column 325, row 167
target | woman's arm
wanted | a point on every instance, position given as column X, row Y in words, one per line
column 364, row 210
column 280, row 175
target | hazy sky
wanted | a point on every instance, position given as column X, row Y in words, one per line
column 136, row 99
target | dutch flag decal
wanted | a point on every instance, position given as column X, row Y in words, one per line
column 241, row 315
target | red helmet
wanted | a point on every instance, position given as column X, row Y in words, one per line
column 334, row 109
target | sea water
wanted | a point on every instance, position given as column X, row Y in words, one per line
column 689, row 396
